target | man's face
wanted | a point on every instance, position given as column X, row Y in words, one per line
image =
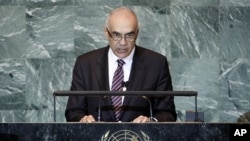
column 122, row 33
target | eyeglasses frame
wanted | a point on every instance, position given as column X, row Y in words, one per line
column 122, row 36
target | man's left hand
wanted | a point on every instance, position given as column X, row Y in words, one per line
column 141, row 119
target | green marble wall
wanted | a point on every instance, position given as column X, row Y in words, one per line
column 206, row 42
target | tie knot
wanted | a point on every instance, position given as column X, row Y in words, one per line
column 120, row 62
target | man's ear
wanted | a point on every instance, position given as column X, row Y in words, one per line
column 137, row 33
column 106, row 33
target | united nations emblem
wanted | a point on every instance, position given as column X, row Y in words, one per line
column 125, row 135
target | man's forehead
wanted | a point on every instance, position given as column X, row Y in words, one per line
column 122, row 30
column 123, row 26
column 122, row 19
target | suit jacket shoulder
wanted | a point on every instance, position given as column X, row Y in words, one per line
column 97, row 54
column 144, row 53
column 90, row 71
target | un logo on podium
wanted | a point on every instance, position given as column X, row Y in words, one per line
column 125, row 135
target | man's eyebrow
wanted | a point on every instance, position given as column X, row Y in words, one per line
column 115, row 32
column 132, row 32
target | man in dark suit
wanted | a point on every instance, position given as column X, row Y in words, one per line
column 143, row 69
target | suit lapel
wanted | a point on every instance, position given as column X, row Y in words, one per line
column 136, row 74
column 101, row 70
column 102, row 76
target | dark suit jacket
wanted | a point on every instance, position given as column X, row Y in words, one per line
column 149, row 72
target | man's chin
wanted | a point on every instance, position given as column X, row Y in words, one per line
column 121, row 54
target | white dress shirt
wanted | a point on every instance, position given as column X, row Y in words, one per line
column 112, row 64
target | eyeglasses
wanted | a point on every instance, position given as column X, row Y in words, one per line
column 117, row 36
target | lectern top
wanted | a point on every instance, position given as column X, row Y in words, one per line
column 125, row 93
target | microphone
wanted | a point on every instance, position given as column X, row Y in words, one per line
column 124, row 85
column 151, row 118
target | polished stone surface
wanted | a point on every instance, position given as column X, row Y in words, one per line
column 206, row 43
column 119, row 131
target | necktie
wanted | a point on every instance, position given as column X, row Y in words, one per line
column 116, row 86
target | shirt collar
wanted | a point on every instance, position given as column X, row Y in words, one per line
column 113, row 57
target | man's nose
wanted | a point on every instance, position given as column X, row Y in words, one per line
column 123, row 41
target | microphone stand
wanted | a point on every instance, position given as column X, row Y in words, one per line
column 99, row 111
column 124, row 86
column 151, row 118
column 99, row 108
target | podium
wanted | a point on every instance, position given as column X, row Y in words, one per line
column 125, row 131
column 100, row 94
column 193, row 131
column 116, row 131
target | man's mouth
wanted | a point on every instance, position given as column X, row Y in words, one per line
column 121, row 50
